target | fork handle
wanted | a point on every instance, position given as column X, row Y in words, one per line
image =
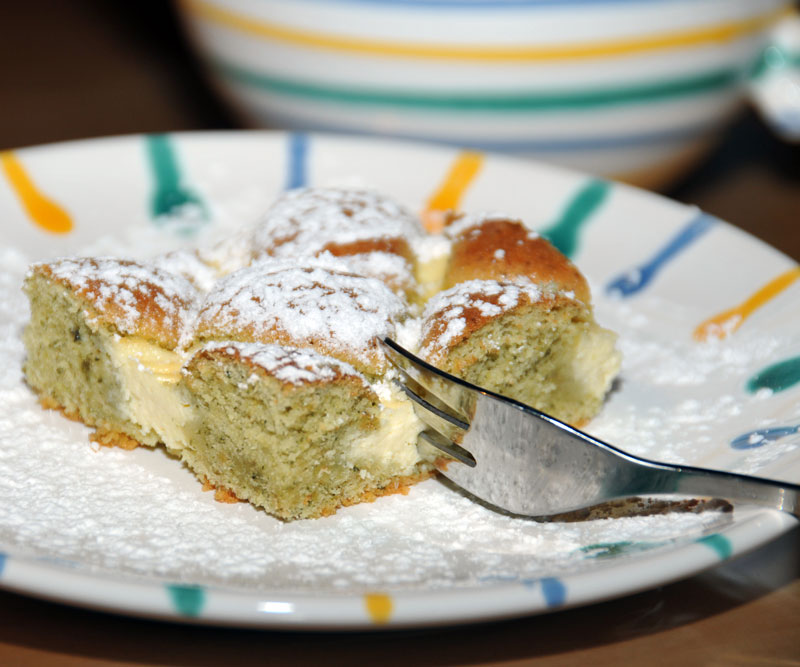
column 687, row 480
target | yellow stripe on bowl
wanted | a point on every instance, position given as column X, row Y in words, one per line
column 718, row 33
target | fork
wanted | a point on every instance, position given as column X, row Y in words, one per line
column 528, row 463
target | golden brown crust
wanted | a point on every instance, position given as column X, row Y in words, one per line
column 286, row 365
column 130, row 297
column 221, row 494
column 474, row 304
column 399, row 485
column 50, row 404
column 392, row 246
column 502, row 249
column 107, row 438
column 103, row 436
column 338, row 314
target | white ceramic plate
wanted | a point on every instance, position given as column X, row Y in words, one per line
column 132, row 532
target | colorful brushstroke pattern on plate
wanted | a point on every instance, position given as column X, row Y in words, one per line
column 233, row 176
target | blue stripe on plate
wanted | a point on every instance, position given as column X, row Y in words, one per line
column 297, row 164
column 763, row 436
column 491, row 4
column 635, row 280
column 554, row 591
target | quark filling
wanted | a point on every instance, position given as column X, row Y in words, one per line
column 157, row 402
column 151, row 377
column 391, row 449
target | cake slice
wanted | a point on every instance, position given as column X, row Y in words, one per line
column 295, row 432
column 293, row 405
column 103, row 346
column 278, row 394
column 515, row 317
column 304, row 303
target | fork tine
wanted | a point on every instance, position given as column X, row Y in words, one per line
column 421, row 396
column 444, row 432
column 450, row 448
column 447, row 392
column 446, row 428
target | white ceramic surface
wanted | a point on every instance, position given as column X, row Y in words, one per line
column 132, row 532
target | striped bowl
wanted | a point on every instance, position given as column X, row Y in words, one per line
column 637, row 90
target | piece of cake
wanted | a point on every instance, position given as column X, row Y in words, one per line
column 293, row 407
column 295, row 432
column 103, row 345
column 515, row 317
column 372, row 233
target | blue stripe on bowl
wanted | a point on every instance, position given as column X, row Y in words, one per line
column 516, row 145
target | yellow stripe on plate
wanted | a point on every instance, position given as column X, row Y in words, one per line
column 379, row 607
column 720, row 32
column 726, row 322
column 448, row 195
column 40, row 209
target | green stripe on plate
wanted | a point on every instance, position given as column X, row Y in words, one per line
column 707, row 82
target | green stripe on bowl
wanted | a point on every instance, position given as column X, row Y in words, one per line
column 532, row 101
column 773, row 59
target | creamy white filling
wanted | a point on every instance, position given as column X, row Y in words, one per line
column 596, row 362
column 430, row 274
column 151, row 378
column 392, row 448
column 156, row 401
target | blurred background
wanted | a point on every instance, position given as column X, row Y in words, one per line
column 87, row 68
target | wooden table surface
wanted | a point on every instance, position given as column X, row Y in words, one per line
column 88, row 68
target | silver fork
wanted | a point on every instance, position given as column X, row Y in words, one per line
column 526, row 462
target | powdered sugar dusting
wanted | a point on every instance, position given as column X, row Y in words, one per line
column 389, row 268
column 134, row 294
column 140, row 514
column 307, row 303
column 187, row 263
column 445, row 315
column 682, row 401
column 287, row 364
column 467, row 220
column 306, row 220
